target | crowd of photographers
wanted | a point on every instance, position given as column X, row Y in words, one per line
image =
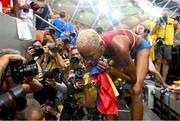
column 52, row 72
column 48, row 82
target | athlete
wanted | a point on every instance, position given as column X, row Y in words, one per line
column 121, row 46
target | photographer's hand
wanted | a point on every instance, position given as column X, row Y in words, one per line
column 66, row 63
column 10, row 58
column 51, row 82
column 103, row 65
column 79, row 85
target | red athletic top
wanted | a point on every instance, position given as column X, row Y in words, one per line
column 108, row 36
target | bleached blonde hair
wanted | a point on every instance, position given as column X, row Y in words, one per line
column 88, row 38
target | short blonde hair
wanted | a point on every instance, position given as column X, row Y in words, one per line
column 88, row 38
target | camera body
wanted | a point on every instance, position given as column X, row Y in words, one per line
column 159, row 41
column 38, row 51
column 48, row 93
column 146, row 31
column 54, row 49
column 19, row 70
column 78, row 75
column 54, row 74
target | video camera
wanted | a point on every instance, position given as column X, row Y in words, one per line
column 19, row 70
column 12, row 101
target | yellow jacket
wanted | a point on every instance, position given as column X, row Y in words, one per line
column 167, row 33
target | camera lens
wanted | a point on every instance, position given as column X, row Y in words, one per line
column 79, row 73
column 74, row 61
column 12, row 101
column 19, row 71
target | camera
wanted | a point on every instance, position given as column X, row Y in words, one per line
column 54, row 49
column 160, row 40
column 146, row 31
column 12, row 101
column 38, row 51
column 74, row 61
column 54, row 74
column 20, row 71
column 79, row 73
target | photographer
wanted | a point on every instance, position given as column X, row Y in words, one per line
column 7, row 56
column 16, row 81
column 35, row 49
column 143, row 31
column 53, row 56
column 45, row 12
column 164, row 31
column 26, row 10
column 80, row 94
column 53, row 87
column 10, row 79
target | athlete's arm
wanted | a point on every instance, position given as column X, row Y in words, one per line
column 120, row 45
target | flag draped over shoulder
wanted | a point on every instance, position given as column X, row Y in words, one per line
column 106, row 98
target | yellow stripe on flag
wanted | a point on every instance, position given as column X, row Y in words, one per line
column 112, row 85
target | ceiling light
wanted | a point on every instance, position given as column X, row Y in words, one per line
column 59, row 4
column 81, row 16
column 103, row 7
column 115, row 14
